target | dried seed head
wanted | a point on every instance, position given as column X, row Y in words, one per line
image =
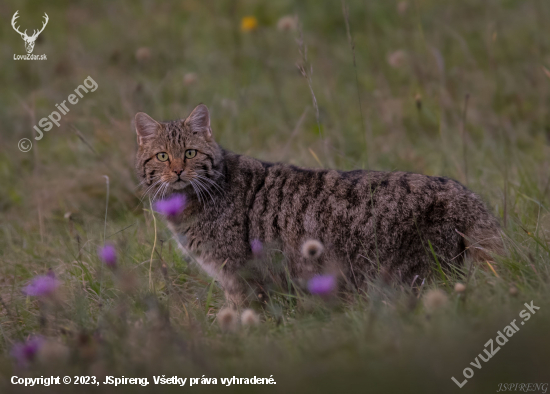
column 249, row 318
column 435, row 299
column 287, row 23
column 460, row 288
column 513, row 291
column 228, row 319
column 190, row 78
column 143, row 54
column 402, row 7
column 312, row 249
column 397, row 58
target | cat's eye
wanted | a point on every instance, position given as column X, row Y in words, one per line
column 162, row 156
column 190, row 153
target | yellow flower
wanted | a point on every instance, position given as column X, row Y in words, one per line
column 249, row 23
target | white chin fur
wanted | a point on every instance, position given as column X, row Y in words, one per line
column 178, row 185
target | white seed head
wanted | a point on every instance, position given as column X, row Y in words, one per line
column 397, row 58
column 249, row 318
column 312, row 249
column 143, row 54
column 402, row 7
column 288, row 23
column 228, row 319
column 435, row 299
column 190, row 78
column 460, row 288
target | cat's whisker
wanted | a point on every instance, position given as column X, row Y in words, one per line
column 151, row 188
column 206, row 174
column 211, row 170
column 217, row 172
column 158, row 190
column 153, row 184
column 148, row 190
column 140, row 184
column 205, row 188
column 164, row 191
column 212, row 183
column 197, row 192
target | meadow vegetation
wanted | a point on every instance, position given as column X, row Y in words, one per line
column 451, row 88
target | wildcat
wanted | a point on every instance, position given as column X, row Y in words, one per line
column 367, row 221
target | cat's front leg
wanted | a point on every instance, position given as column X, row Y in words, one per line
column 233, row 289
column 231, row 282
column 233, row 285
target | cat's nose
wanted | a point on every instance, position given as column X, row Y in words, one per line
column 178, row 172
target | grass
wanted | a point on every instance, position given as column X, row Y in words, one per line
column 383, row 89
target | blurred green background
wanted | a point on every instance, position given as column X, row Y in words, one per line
column 454, row 88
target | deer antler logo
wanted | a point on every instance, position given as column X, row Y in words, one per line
column 29, row 41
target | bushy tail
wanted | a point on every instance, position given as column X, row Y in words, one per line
column 484, row 240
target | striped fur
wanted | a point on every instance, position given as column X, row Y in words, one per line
column 368, row 221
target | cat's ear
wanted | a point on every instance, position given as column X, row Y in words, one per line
column 199, row 121
column 146, row 127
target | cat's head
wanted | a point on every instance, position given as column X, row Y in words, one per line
column 179, row 155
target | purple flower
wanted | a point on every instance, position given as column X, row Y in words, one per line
column 25, row 352
column 172, row 206
column 321, row 284
column 43, row 285
column 108, row 254
column 257, row 247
